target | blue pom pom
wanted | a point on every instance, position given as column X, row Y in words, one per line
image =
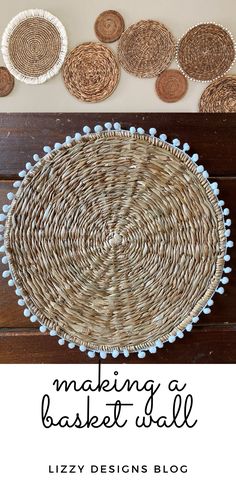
column 141, row 354
column 61, row 342
column 117, row 126
column 140, row 131
column 186, row 147
column 152, row 349
column 82, row 348
column 103, row 355
column 132, row 130
column 176, row 142
column 33, row 318
column 22, row 173
column 224, row 280
column 17, row 184
column 47, row 149
column 28, row 166
column 200, row 169
column 195, row 157
column 27, row 313
column 227, row 233
column 2, row 248
column 86, row 129
column 68, row 139
column 195, row 319
column 108, row 125
column 216, row 191
column 159, row 344
column 221, row 203
column 78, row 136
column 21, row 302
column 228, row 222
column 152, row 132
column 71, row 345
column 205, row 174
column 180, row 334
column 214, row 185
column 206, row 310
column 6, row 274
column 42, row 329
column 126, row 353
column 210, row 302
column 36, row 157
column 2, row 217
column 11, row 282
column 115, row 353
column 98, row 129
column 229, row 244
column 226, row 211
column 227, row 270
column 57, row 146
column 53, row 333
column 1, row 228
column 220, row 290
column 5, row 260
column 163, row 137
column 91, row 354
column 171, row 339
column 10, row 196
column 18, row 292
column 189, row 327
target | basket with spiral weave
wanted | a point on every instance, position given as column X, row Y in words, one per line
column 219, row 96
column 116, row 241
column 146, row 48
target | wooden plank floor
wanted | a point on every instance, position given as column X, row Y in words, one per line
column 213, row 339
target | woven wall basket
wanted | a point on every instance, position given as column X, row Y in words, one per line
column 219, row 96
column 146, row 48
column 115, row 241
column 34, row 46
column 206, row 52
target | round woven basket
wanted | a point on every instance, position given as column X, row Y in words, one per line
column 219, row 96
column 146, row 48
column 91, row 72
column 171, row 85
column 6, row 82
column 116, row 241
column 109, row 26
column 34, row 46
column 206, row 52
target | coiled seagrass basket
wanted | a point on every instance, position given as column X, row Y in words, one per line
column 116, row 241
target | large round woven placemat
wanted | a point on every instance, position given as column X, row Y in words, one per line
column 91, row 72
column 146, row 48
column 115, row 240
column 109, row 26
column 219, row 96
column 6, row 82
column 206, row 52
column 34, row 46
column 171, row 85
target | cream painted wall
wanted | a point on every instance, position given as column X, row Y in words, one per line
column 132, row 94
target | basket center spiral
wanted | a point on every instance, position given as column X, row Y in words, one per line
column 115, row 241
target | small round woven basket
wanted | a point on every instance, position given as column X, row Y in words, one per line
column 146, row 48
column 109, row 26
column 91, row 72
column 171, row 85
column 115, row 241
column 220, row 96
column 206, row 52
column 34, row 46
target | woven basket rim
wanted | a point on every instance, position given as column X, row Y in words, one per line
column 211, row 196
column 17, row 20
column 189, row 30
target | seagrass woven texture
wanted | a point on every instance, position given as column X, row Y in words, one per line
column 109, row 26
column 6, row 82
column 115, row 241
column 171, row 85
column 146, row 48
column 206, row 52
column 34, row 46
column 219, row 96
column 91, row 72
